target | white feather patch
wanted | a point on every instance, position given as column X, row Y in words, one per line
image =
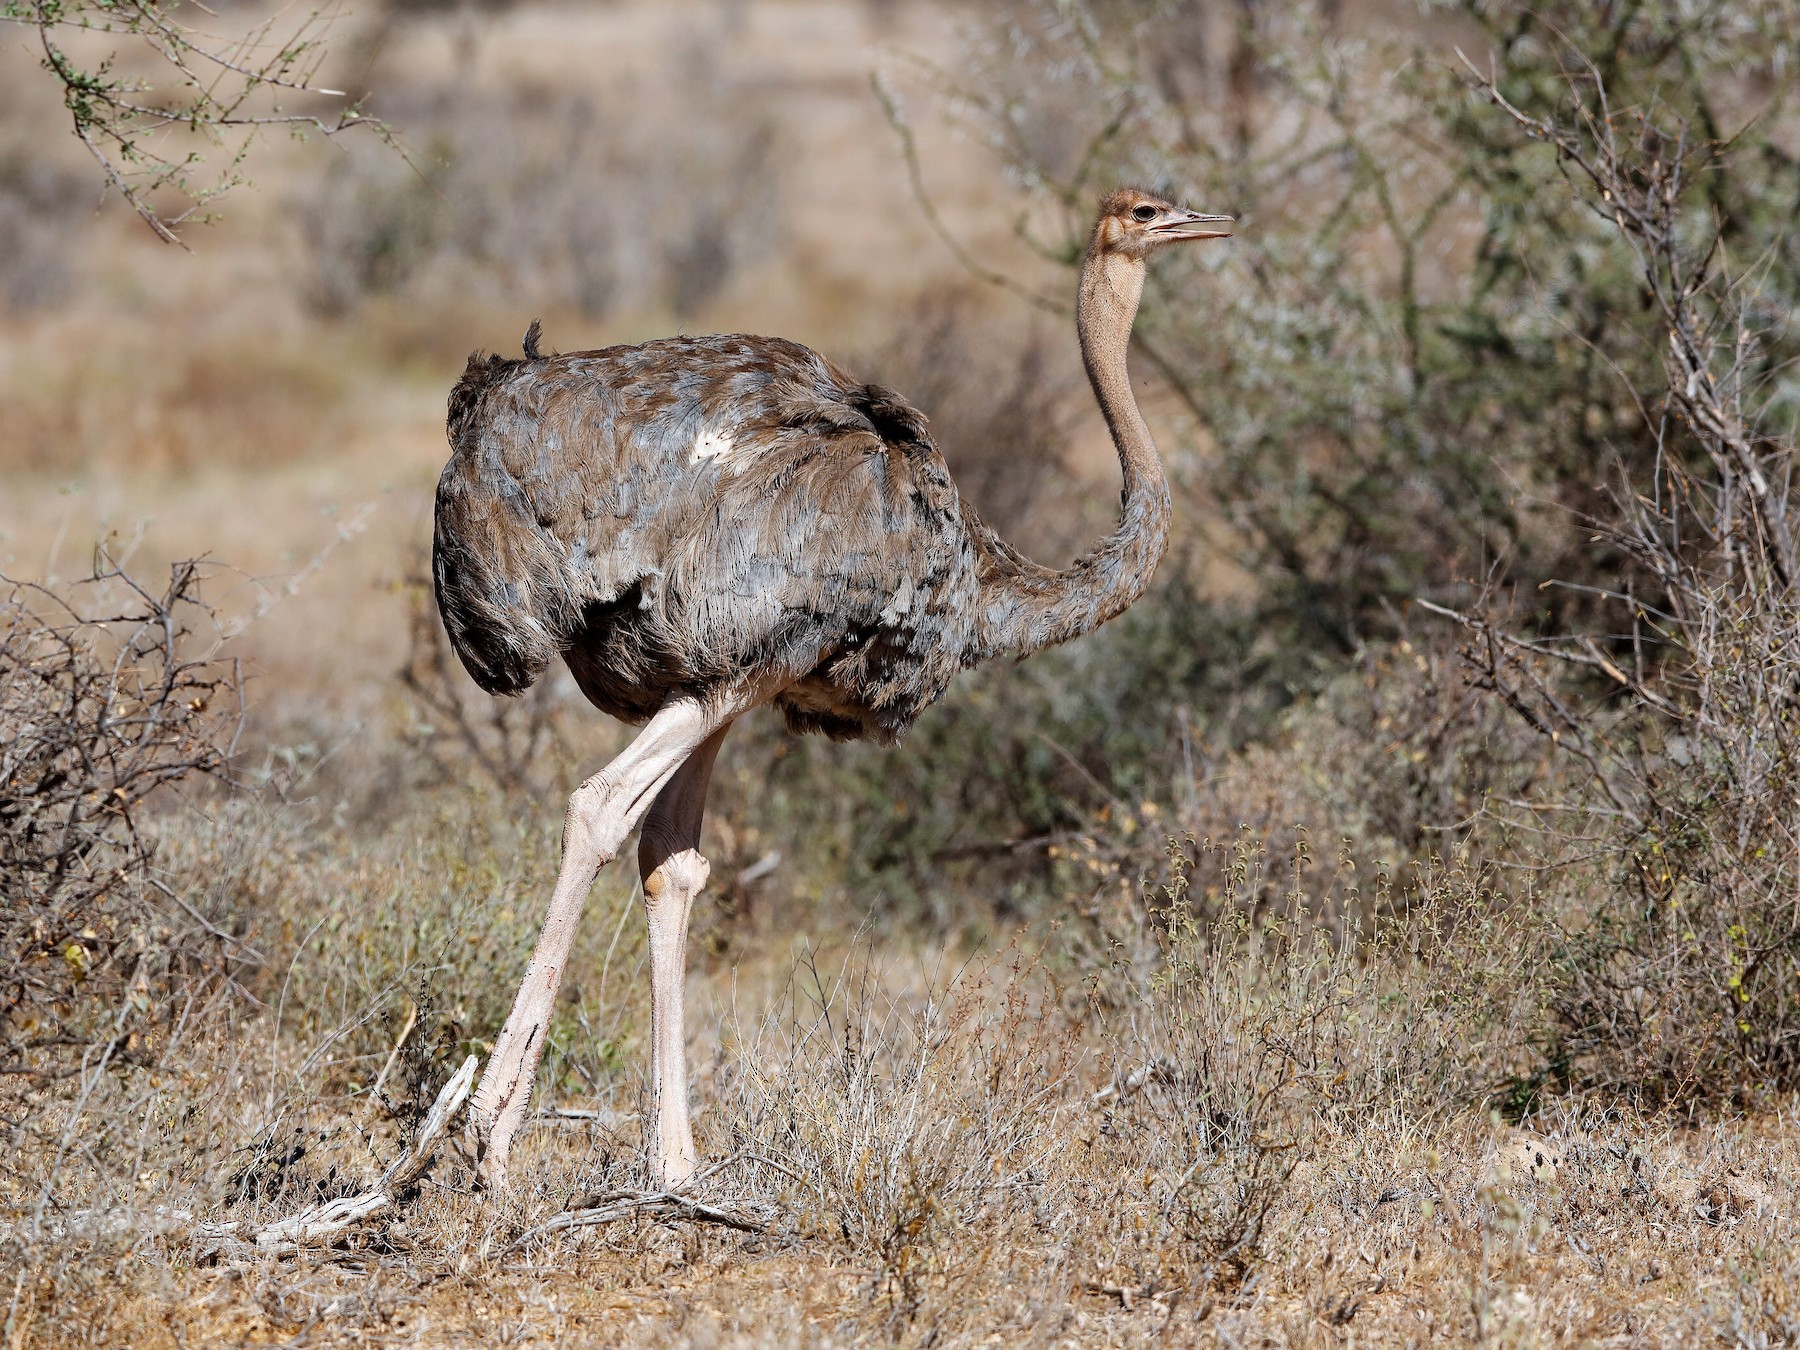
column 711, row 444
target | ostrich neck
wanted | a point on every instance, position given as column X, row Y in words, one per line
column 1032, row 607
column 1111, row 286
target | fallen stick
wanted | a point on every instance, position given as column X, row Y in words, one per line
column 413, row 1163
column 625, row 1204
column 334, row 1216
column 322, row 1221
column 616, row 1205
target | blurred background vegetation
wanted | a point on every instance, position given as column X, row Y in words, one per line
column 1477, row 618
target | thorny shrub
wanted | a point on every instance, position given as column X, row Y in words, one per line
column 1679, row 714
column 101, row 708
column 1400, row 375
column 1407, row 362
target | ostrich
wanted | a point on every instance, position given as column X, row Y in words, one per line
column 699, row 526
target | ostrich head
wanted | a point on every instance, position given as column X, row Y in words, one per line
column 1133, row 222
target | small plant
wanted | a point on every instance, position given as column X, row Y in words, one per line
column 102, row 708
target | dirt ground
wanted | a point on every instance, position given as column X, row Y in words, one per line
column 1390, row 1235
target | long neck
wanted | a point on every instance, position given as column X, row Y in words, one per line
column 1031, row 608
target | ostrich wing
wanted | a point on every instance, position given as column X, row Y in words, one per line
column 684, row 513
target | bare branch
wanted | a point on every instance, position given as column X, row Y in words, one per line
column 217, row 86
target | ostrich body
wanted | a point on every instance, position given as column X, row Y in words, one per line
column 700, row 526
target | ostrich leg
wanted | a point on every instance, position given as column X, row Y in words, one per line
column 602, row 811
column 673, row 871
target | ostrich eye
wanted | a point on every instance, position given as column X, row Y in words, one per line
column 1145, row 213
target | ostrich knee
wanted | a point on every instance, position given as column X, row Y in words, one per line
column 669, row 890
column 594, row 824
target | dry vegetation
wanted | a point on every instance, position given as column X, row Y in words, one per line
column 1385, row 931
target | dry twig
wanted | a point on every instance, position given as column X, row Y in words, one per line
column 333, row 1217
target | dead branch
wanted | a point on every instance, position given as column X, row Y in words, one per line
column 325, row 1221
column 618, row 1205
column 1639, row 186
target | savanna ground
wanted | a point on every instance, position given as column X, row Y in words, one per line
column 1387, row 931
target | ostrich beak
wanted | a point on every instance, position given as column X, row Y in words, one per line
column 1193, row 225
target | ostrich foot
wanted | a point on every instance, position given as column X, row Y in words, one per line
column 498, row 1107
column 676, row 1159
column 490, row 1161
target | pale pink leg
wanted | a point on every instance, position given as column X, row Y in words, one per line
column 674, row 871
column 602, row 812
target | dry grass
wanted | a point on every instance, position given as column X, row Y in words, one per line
column 1247, row 1101
column 1234, row 1133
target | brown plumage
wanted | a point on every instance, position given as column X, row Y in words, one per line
column 699, row 525
column 671, row 517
